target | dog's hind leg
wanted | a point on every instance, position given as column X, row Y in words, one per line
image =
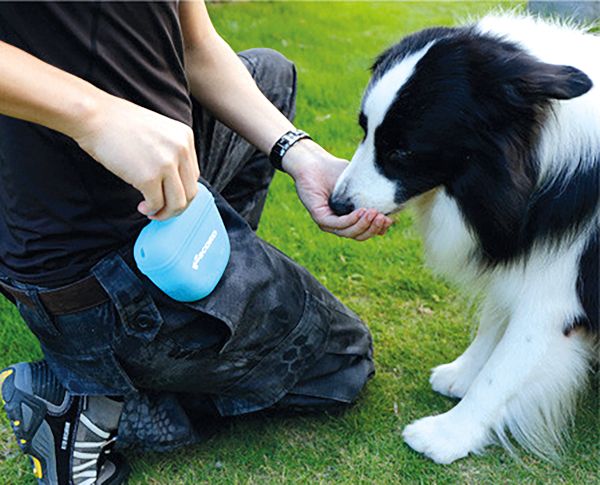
column 454, row 379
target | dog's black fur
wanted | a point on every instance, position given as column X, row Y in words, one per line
column 468, row 120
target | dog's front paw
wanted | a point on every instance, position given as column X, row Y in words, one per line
column 453, row 379
column 444, row 438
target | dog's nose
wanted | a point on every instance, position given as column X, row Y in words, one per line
column 340, row 205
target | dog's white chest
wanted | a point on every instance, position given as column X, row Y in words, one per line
column 449, row 244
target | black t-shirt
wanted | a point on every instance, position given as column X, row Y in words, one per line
column 61, row 211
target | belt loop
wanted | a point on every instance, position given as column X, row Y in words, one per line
column 134, row 304
column 41, row 312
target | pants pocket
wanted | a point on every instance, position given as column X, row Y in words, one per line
column 80, row 347
column 82, row 354
column 92, row 373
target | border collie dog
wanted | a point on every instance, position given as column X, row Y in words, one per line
column 493, row 130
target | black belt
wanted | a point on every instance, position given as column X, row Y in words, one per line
column 83, row 294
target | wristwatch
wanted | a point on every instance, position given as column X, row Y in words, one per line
column 282, row 146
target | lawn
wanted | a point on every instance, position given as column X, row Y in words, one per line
column 417, row 320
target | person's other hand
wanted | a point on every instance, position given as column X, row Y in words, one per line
column 315, row 172
column 152, row 152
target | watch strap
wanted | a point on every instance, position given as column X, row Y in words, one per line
column 282, row 146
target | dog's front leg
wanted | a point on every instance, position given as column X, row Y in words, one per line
column 515, row 388
column 455, row 378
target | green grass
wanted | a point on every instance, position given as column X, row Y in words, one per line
column 417, row 320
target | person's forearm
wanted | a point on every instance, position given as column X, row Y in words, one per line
column 153, row 153
column 35, row 91
column 223, row 85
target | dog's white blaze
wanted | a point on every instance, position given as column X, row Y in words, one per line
column 361, row 182
column 383, row 92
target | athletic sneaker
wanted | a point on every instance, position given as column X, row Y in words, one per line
column 68, row 438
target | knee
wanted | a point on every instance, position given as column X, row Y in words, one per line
column 264, row 62
column 275, row 76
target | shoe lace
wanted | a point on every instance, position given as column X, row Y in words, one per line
column 87, row 453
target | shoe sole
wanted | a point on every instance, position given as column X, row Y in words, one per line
column 26, row 414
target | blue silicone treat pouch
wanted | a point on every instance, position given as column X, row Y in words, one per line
column 185, row 256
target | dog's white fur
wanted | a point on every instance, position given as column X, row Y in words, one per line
column 520, row 373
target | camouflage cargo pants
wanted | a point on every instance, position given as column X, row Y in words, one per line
column 270, row 336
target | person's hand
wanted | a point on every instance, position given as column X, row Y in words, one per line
column 153, row 153
column 315, row 172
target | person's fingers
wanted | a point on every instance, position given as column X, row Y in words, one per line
column 328, row 221
column 387, row 222
column 380, row 225
column 373, row 230
column 363, row 224
column 189, row 176
column 175, row 199
column 355, row 229
column 153, row 198
column 371, row 224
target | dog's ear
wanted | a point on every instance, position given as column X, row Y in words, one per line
column 553, row 81
column 517, row 73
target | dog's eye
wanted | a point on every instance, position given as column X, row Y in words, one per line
column 400, row 154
